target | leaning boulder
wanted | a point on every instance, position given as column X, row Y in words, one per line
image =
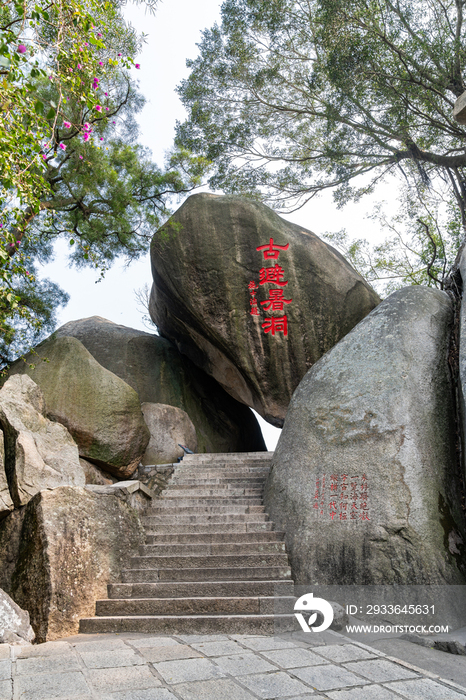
column 169, row 428
column 365, row 479
column 14, row 622
column 39, row 454
column 73, row 542
column 102, row 412
column 252, row 299
column 155, row 369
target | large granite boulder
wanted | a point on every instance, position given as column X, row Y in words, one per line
column 365, row 479
column 154, row 368
column 214, row 291
column 14, row 622
column 68, row 544
column 39, row 454
column 102, row 412
column 169, row 428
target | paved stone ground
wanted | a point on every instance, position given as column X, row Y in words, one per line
column 213, row 667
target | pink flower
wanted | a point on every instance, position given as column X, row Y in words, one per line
column 18, row 242
column 99, row 35
column 106, row 109
column 44, row 156
column 21, row 48
column 80, row 157
column 86, row 137
column 113, row 122
column 67, row 125
column 79, row 66
column 27, row 273
column 137, row 65
column 100, row 63
column 101, row 138
column 119, row 54
column 62, row 146
column 106, row 94
column 86, row 44
column 87, row 126
column 70, row 69
column 98, row 108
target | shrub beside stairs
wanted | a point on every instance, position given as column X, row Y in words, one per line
column 213, row 562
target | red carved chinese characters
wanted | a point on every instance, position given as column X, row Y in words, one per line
column 342, row 497
column 273, row 274
column 272, row 250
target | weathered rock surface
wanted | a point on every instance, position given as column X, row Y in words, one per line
column 72, row 543
column 6, row 504
column 372, row 424
column 39, row 454
column 94, row 475
column 14, row 622
column 169, row 427
column 462, row 353
column 202, row 262
column 154, row 368
column 102, row 413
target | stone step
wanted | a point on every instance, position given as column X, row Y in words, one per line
column 227, row 481
column 168, row 503
column 261, row 573
column 154, row 520
column 227, row 456
column 186, row 624
column 196, row 606
column 201, row 549
column 213, row 560
column 200, row 529
column 217, row 509
column 186, row 589
column 216, row 537
column 218, row 492
column 212, row 472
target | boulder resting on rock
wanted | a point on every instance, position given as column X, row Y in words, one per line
column 169, row 427
column 155, row 369
column 14, row 622
column 204, row 261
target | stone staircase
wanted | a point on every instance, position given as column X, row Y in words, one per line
column 212, row 562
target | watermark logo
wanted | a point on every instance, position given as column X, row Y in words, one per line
column 318, row 607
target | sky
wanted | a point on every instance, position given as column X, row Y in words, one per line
column 172, row 35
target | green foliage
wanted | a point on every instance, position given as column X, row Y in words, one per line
column 69, row 161
column 290, row 97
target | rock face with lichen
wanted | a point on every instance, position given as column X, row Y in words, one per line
column 102, row 412
column 61, row 551
column 365, row 479
column 203, row 260
column 159, row 374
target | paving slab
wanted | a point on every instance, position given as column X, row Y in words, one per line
column 198, row 638
column 380, row 670
column 274, row 685
column 150, row 641
column 267, row 643
column 44, row 686
column 294, row 658
column 188, row 670
column 47, row 664
column 100, row 645
column 148, row 694
column 6, row 690
column 341, row 653
column 425, row 689
column 242, row 664
column 108, row 680
column 46, row 649
column 221, row 689
column 329, row 677
column 112, row 658
column 370, row 692
column 5, row 669
column 4, row 651
column 219, row 648
column 169, row 653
